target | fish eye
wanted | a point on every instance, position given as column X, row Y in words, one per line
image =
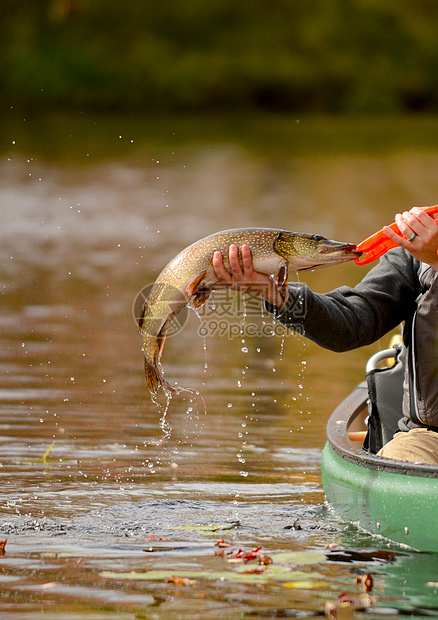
column 318, row 238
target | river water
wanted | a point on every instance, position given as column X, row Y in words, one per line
column 111, row 510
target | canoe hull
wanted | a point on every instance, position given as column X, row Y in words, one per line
column 393, row 499
column 402, row 508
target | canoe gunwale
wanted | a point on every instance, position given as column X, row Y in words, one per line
column 337, row 435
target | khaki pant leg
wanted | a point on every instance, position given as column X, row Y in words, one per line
column 419, row 445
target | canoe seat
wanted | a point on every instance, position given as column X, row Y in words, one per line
column 385, row 391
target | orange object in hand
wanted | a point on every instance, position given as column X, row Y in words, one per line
column 375, row 246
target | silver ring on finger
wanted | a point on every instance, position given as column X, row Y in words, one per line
column 413, row 237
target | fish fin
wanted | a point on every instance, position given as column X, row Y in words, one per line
column 199, row 299
column 192, row 286
column 155, row 379
column 197, row 294
column 281, row 279
column 282, row 274
column 162, row 336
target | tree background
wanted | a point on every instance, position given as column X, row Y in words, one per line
column 328, row 56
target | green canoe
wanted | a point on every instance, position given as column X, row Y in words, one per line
column 393, row 499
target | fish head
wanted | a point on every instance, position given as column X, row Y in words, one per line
column 307, row 251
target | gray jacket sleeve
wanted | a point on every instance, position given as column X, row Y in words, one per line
column 347, row 318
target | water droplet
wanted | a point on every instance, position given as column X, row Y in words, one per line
column 244, row 473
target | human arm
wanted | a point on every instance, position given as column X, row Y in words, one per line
column 347, row 318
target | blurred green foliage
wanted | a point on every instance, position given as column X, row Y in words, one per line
column 378, row 56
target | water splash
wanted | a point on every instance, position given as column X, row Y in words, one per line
column 202, row 332
column 163, row 409
column 283, row 339
column 193, row 413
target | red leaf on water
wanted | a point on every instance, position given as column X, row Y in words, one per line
column 365, row 582
column 222, row 543
column 180, row 581
column 240, row 555
column 152, row 537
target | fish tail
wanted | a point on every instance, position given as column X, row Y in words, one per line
column 152, row 377
column 155, row 379
column 151, row 356
column 153, row 348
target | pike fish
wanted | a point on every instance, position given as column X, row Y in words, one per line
column 188, row 279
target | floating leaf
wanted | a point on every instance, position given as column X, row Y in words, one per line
column 347, row 604
column 172, row 546
column 298, row 557
column 152, row 537
column 209, row 528
column 305, row 585
column 240, row 555
column 272, row 573
column 365, row 582
column 181, row 581
column 46, row 453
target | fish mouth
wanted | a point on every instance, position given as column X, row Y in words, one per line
column 332, row 254
column 345, row 248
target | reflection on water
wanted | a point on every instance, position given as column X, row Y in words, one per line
column 88, row 475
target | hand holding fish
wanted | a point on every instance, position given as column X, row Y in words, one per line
column 245, row 278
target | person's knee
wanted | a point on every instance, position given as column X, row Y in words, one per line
column 419, row 445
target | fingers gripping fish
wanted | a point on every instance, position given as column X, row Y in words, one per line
column 189, row 278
